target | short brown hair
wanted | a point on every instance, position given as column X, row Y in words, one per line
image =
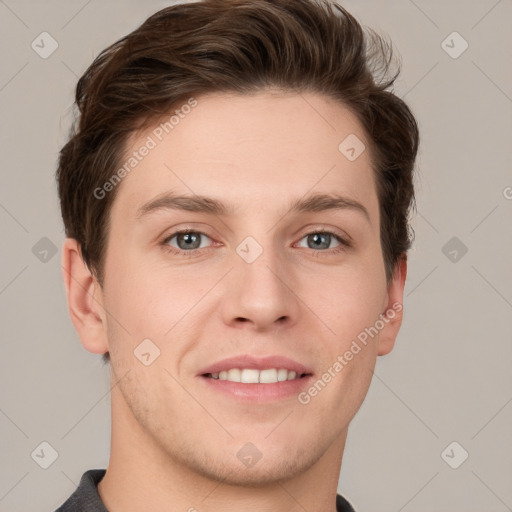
column 240, row 46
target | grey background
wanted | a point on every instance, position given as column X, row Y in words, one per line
column 449, row 377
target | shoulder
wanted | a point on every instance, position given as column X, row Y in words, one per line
column 86, row 497
column 342, row 505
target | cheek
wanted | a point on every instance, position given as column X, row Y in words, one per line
column 352, row 301
column 151, row 303
column 138, row 293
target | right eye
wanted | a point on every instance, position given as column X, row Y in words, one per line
column 186, row 240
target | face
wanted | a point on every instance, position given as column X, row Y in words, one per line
column 264, row 272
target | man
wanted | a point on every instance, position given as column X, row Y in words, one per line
column 235, row 196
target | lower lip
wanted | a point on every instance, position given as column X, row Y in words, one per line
column 259, row 392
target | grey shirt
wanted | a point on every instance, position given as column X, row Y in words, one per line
column 86, row 497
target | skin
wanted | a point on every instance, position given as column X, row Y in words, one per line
column 174, row 441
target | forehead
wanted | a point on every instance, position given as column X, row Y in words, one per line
column 249, row 151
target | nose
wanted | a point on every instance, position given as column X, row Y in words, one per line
column 262, row 294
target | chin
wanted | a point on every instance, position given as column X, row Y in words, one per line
column 250, row 464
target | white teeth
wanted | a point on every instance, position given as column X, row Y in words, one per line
column 234, row 375
column 282, row 374
column 249, row 376
column 268, row 376
column 253, row 376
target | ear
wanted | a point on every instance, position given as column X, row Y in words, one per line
column 393, row 312
column 85, row 299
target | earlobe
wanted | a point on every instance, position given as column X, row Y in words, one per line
column 393, row 313
column 85, row 299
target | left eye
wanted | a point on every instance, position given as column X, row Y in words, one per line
column 321, row 240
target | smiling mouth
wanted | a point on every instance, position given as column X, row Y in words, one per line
column 254, row 376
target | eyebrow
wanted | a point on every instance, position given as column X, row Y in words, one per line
column 209, row 205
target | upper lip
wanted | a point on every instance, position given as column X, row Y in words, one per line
column 258, row 363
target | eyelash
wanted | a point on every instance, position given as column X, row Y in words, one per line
column 344, row 244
